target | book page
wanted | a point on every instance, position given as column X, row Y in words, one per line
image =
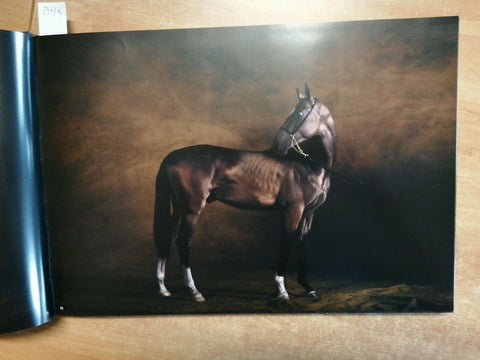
column 114, row 105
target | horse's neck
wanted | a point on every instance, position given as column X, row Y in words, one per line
column 328, row 135
column 321, row 151
column 330, row 146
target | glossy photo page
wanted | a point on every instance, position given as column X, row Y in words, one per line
column 306, row 168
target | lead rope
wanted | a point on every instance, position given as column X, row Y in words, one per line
column 297, row 148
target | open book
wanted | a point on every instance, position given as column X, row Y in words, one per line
column 86, row 120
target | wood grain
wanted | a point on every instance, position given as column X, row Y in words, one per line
column 15, row 15
column 444, row 336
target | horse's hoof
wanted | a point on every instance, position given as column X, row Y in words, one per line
column 283, row 296
column 199, row 298
column 311, row 294
column 164, row 292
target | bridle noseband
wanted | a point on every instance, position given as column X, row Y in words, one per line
column 291, row 133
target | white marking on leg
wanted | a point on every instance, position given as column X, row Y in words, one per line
column 282, row 291
column 161, row 277
column 187, row 274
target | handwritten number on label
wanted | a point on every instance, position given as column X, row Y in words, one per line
column 52, row 18
column 51, row 11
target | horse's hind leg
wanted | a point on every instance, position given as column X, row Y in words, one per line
column 284, row 255
column 161, row 266
column 163, row 244
column 183, row 244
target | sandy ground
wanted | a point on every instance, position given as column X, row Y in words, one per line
column 252, row 292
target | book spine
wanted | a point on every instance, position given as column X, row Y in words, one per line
column 25, row 283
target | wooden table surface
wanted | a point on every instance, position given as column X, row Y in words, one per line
column 442, row 336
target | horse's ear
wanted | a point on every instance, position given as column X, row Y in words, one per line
column 298, row 95
column 307, row 92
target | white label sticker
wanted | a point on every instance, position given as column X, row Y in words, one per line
column 52, row 18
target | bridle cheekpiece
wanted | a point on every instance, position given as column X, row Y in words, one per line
column 291, row 133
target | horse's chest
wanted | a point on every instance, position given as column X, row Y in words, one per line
column 316, row 188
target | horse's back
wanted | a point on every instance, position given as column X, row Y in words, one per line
column 240, row 178
column 201, row 156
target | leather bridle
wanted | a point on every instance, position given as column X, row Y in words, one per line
column 291, row 133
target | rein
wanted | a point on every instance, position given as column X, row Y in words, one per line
column 297, row 148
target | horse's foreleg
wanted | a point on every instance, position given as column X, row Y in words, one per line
column 304, row 228
column 285, row 249
column 293, row 216
column 302, row 269
column 183, row 245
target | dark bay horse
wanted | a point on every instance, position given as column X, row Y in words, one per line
column 293, row 177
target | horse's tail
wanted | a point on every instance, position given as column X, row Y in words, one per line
column 162, row 223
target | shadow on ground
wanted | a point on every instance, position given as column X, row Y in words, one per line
column 244, row 293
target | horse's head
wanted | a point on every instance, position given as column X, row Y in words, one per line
column 309, row 118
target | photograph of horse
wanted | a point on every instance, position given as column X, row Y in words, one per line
column 297, row 185
column 144, row 218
